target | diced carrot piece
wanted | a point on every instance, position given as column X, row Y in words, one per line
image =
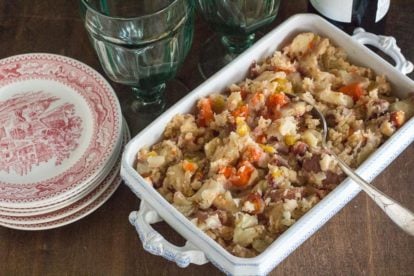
column 227, row 171
column 205, row 112
column 257, row 97
column 252, row 154
column 257, row 202
column 241, row 111
column 242, row 177
column 276, row 100
column 354, row 90
column 189, row 166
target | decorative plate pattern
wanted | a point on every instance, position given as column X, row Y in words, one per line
column 76, row 210
column 59, row 124
column 33, row 131
column 69, row 198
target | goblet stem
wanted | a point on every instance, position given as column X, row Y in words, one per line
column 236, row 44
column 149, row 99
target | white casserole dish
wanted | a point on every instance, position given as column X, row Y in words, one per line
column 200, row 248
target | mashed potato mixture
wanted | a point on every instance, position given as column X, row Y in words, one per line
column 249, row 163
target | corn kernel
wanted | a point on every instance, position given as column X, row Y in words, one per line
column 290, row 140
column 281, row 85
column 152, row 154
column 242, row 130
column 239, row 120
column 281, row 81
column 242, row 127
column 277, row 173
column 268, row 148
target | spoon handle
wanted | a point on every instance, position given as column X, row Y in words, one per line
column 403, row 217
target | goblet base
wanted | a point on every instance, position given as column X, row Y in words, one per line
column 218, row 51
column 213, row 56
column 148, row 100
column 139, row 114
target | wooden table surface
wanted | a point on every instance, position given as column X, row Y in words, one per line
column 359, row 240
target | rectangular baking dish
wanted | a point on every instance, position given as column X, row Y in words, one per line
column 200, row 248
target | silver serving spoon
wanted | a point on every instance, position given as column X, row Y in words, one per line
column 400, row 215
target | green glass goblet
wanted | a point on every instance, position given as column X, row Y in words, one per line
column 235, row 22
column 141, row 44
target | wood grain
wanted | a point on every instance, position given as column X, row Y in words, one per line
column 359, row 240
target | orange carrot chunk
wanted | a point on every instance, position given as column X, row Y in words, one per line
column 205, row 112
column 227, row 171
column 241, row 111
column 257, row 202
column 276, row 100
column 354, row 90
column 189, row 166
column 242, row 177
column 252, row 154
column 257, row 97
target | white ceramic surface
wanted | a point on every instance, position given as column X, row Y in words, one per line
column 200, row 247
column 60, row 123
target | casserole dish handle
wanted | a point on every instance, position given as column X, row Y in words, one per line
column 156, row 244
column 388, row 45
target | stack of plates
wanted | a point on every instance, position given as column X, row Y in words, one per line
column 61, row 139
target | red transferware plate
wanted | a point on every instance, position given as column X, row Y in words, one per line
column 60, row 122
column 76, row 210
